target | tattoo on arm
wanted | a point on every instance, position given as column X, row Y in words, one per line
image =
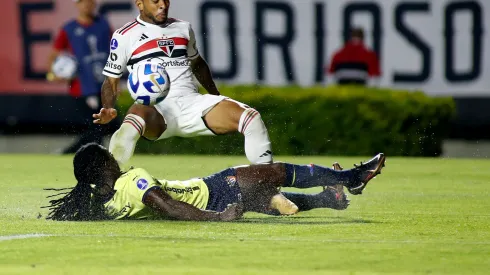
column 110, row 92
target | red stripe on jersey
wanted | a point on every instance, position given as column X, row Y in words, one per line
column 125, row 26
column 132, row 26
column 179, row 41
column 152, row 44
column 147, row 46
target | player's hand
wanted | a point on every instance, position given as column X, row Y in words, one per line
column 105, row 116
column 232, row 212
column 51, row 77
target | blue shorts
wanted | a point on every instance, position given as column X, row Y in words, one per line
column 223, row 190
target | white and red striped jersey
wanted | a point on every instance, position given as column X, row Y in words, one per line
column 172, row 44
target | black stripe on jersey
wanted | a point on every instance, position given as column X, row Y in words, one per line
column 144, row 57
column 360, row 66
column 175, row 53
column 351, row 81
column 139, row 22
column 179, row 53
column 107, row 71
column 128, row 26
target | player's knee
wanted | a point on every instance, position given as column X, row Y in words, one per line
column 139, row 110
column 154, row 122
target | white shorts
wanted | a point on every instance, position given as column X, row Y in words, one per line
column 184, row 114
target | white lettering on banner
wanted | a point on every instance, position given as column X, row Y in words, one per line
column 438, row 46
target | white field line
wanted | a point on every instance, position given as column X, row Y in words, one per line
column 20, row 237
column 28, row 236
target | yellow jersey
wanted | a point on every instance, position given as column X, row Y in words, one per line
column 131, row 188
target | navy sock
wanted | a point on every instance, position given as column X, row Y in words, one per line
column 305, row 202
column 307, row 176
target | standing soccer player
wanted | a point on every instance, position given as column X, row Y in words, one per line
column 87, row 38
column 185, row 112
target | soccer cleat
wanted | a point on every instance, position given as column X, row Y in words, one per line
column 335, row 196
column 366, row 172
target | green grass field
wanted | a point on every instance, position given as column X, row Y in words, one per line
column 419, row 216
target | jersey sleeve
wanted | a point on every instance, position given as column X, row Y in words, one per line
column 118, row 56
column 192, row 51
column 142, row 182
column 61, row 42
column 333, row 64
column 374, row 67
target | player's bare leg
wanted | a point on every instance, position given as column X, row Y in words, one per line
column 228, row 117
column 260, row 185
column 140, row 121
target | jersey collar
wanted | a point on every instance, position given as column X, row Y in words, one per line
column 141, row 22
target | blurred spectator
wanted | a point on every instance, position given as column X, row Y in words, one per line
column 354, row 63
column 87, row 39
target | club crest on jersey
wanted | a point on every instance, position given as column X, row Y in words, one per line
column 231, row 180
column 167, row 46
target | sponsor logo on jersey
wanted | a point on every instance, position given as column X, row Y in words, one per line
column 176, row 63
column 143, row 37
column 167, row 46
column 111, row 65
column 114, row 57
column 124, row 210
column 142, row 184
column 79, row 31
column 182, row 190
column 114, row 44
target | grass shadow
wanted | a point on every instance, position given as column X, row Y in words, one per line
column 291, row 220
column 306, row 220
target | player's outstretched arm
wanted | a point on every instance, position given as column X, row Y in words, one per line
column 110, row 92
column 164, row 204
column 203, row 74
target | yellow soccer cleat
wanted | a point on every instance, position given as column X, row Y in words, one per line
column 283, row 205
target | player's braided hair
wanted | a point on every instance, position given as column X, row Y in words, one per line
column 92, row 166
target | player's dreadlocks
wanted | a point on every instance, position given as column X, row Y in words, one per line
column 94, row 168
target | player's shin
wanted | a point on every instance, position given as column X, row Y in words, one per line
column 257, row 142
column 307, row 176
column 304, row 202
column 124, row 140
column 325, row 199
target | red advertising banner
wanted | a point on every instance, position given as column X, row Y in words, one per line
column 28, row 30
column 24, row 60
